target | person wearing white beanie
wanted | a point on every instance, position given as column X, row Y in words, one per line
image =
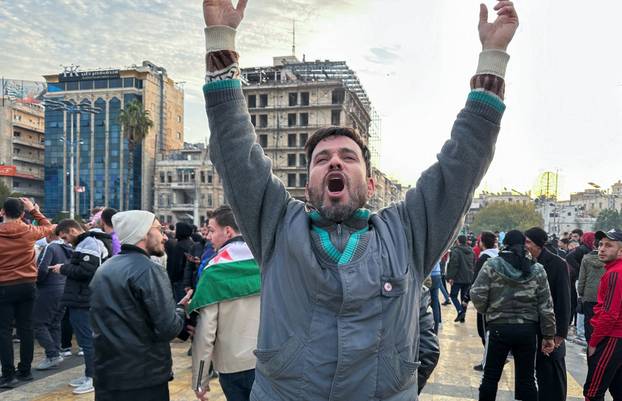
column 134, row 314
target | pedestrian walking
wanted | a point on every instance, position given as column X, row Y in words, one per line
column 437, row 285
column 341, row 285
column 48, row 312
column 134, row 315
column 488, row 250
column 460, row 275
column 604, row 356
column 18, row 277
column 591, row 271
column 513, row 293
column 90, row 250
column 551, row 367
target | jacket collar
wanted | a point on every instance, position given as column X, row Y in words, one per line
column 237, row 238
column 612, row 264
column 127, row 248
column 358, row 221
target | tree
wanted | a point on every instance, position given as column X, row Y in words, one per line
column 505, row 216
column 608, row 219
column 136, row 122
column 5, row 192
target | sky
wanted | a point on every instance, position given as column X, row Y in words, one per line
column 413, row 57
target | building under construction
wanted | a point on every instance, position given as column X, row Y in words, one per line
column 291, row 99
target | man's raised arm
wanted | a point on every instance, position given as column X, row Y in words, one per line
column 433, row 210
column 258, row 198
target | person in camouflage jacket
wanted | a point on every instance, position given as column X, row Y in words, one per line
column 513, row 293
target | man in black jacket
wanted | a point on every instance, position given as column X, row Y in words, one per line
column 91, row 248
column 177, row 252
column 551, row 369
column 134, row 315
column 460, row 275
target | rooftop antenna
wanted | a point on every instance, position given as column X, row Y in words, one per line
column 294, row 38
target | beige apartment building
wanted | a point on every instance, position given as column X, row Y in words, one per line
column 22, row 147
column 186, row 185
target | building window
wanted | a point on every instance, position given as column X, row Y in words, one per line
column 128, row 82
column 86, row 85
column 169, row 177
column 210, row 178
column 302, row 160
column 179, row 136
column 303, row 180
column 210, row 200
column 254, row 120
column 101, row 84
column 291, row 160
column 252, row 101
column 162, row 176
column 291, row 119
column 202, row 177
column 178, row 119
column 291, row 140
column 73, row 85
column 303, row 140
column 338, row 96
column 293, row 99
column 263, row 140
column 263, row 120
column 17, row 134
column 304, row 98
column 304, row 119
column 335, row 117
column 291, row 180
column 263, row 100
column 115, row 83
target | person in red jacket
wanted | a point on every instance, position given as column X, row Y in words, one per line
column 605, row 346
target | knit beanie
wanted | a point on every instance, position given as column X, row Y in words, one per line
column 537, row 235
column 132, row 226
column 513, row 237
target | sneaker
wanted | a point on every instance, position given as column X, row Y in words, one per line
column 460, row 317
column 8, row 381
column 447, row 303
column 80, row 351
column 65, row 352
column 479, row 368
column 86, row 387
column 48, row 363
column 24, row 377
column 78, row 382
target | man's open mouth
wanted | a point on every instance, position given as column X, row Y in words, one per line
column 335, row 182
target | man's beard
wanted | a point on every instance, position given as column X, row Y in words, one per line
column 334, row 211
column 155, row 249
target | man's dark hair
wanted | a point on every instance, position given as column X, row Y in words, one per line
column 488, row 239
column 462, row 239
column 351, row 133
column 565, row 241
column 66, row 225
column 577, row 231
column 13, row 208
column 224, row 217
column 171, row 227
column 107, row 214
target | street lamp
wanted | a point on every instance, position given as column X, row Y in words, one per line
column 73, row 110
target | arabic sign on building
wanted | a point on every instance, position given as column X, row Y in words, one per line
column 71, row 73
column 22, row 91
column 7, row 171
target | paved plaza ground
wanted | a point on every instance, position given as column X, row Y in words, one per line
column 453, row 380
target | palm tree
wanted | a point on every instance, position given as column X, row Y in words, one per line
column 136, row 122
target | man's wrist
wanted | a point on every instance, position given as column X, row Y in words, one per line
column 493, row 62
column 219, row 37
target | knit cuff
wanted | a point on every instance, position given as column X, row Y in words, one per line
column 493, row 62
column 219, row 37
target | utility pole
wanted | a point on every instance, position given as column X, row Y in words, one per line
column 72, row 184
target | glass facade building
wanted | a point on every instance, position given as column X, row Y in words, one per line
column 102, row 157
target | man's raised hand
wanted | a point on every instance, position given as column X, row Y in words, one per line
column 498, row 34
column 222, row 12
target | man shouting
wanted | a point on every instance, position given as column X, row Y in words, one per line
column 341, row 285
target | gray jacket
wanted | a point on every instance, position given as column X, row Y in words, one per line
column 343, row 328
column 592, row 270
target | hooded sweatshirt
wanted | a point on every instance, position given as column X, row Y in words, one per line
column 506, row 296
column 461, row 264
column 17, row 249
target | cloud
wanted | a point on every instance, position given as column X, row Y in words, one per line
column 383, row 55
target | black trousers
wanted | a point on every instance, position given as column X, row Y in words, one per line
column 47, row 315
column 588, row 314
column 481, row 327
column 604, row 371
column 522, row 340
column 153, row 393
column 16, row 304
column 551, row 375
column 66, row 331
column 237, row 386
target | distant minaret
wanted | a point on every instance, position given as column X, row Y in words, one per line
column 294, row 38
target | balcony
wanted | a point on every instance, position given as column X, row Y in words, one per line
column 183, row 185
column 181, row 207
column 19, row 141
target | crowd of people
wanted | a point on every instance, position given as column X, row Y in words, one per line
column 315, row 300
